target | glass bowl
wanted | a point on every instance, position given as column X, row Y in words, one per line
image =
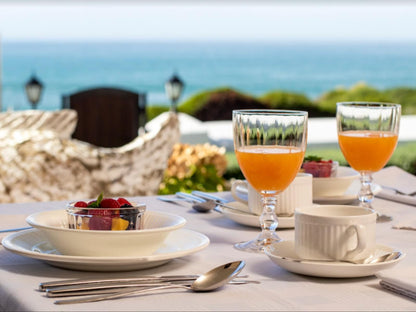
column 106, row 219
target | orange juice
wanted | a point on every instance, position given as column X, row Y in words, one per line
column 367, row 150
column 270, row 168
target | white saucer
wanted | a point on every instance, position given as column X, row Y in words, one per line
column 33, row 244
column 351, row 195
column 279, row 252
column 250, row 220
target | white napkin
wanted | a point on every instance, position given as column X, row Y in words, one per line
column 401, row 280
column 11, row 221
column 394, row 178
column 393, row 196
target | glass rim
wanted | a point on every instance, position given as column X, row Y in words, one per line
column 368, row 104
column 141, row 206
column 271, row 111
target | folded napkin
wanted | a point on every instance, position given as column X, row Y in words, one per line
column 394, row 178
column 11, row 221
column 401, row 280
column 393, row 196
column 397, row 179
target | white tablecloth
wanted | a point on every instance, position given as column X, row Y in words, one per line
column 279, row 289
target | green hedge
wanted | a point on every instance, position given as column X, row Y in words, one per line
column 323, row 106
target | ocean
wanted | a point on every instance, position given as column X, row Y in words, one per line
column 251, row 67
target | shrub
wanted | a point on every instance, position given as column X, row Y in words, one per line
column 154, row 111
column 404, row 96
column 194, row 167
column 293, row 101
column 359, row 92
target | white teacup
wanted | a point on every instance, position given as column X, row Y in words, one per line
column 297, row 195
column 335, row 232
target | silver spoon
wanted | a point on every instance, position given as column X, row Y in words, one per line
column 370, row 260
column 206, row 205
column 209, row 205
column 211, row 280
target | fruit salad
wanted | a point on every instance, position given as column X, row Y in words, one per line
column 105, row 214
column 320, row 168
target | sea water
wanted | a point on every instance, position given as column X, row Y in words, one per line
column 251, row 67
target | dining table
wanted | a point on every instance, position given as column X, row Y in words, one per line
column 277, row 289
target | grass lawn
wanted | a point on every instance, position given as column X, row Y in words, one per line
column 404, row 157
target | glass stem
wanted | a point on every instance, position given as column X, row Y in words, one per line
column 268, row 219
column 366, row 195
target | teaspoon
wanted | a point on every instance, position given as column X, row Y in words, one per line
column 370, row 260
column 211, row 280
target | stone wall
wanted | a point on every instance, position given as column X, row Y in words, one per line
column 40, row 162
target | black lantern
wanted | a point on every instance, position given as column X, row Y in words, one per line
column 173, row 88
column 33, row 91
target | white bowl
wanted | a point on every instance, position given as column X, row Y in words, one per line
column 144, row 242
column 334, row 186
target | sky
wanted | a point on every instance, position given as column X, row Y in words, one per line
column 207, row 20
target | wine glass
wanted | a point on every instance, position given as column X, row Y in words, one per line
column 269, row 146
column 367, row 136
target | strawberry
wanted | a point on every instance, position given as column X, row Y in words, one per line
column 317, row 167
column 80, row 204
column 124, row 202
column 109, row 203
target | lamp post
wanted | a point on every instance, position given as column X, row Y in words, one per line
column 33, row 91
column 173, row 88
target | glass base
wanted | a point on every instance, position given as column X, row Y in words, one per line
column 257, row 245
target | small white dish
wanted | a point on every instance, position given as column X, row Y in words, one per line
column 34, row 244
column 250, row 220
column 283, row 253
column 334, row 186
column 156, row 227
column 350, row 195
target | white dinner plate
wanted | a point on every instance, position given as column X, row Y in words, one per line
column 250, row 220
column 349, row 197
column 33, row 244
column 281, row 251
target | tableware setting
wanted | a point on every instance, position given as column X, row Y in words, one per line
column 84, row 287
column 334, row 241
column 34, row 244
column 269, row 147
column 367, row 136
column 105, row 235
column 283, row 254
column 209, row 281
column 78, row 242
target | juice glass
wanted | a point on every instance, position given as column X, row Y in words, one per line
column 367, row 136
column 269, row 146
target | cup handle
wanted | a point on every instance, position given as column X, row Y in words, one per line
column 234, row 191
column 361, row 240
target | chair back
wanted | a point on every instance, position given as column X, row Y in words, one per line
column 107, row 117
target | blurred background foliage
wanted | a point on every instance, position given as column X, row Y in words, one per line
column 323, row 106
